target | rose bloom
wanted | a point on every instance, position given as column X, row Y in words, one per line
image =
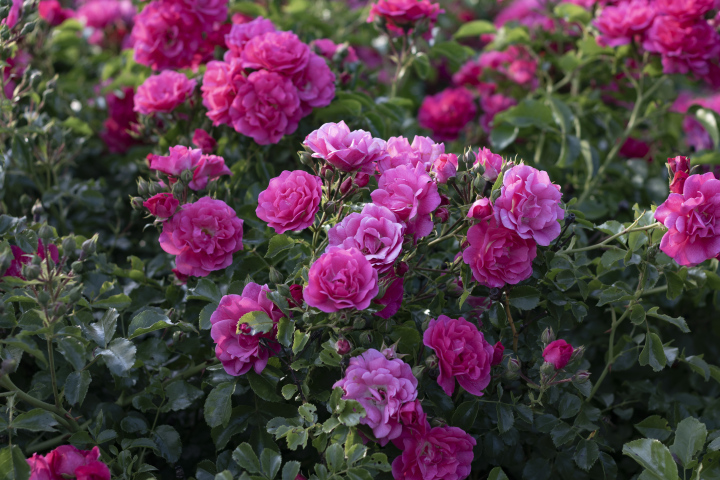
column 491, row 162
column 526, row 12
column 279, row 52
column 101, row 14
column 497, row 255
column 684, row 47
column 204, row 141
column 291, row 201
column 491, row 106
column 242, row 33
column 515, row 63
column 440, row 453
column 52, row 12
column 266, row 107
column 447, row 113
column 121, row 120
column 382, row 387
column 341, row 279
column 679, row 168
column 422, row 150
column 67, row 461
column 206, row 167
column 162, row 205
column 618, row 24
column 558, row 353
column 235, row 346
column 375, row 232
column 463, row 354
column 445, row 167
column 686, row 10
column 203, row 235
column 315, row 84
column 400, row 14
column 327, row 48
column 13, row 14
column 529, row 203
column 208, row 11
column 413, row 420
column 410, row 193
column 210, row 167
column 481, row 209
column 219, row 89
column 498, row 350
column 693, row 221
column 347, row 150
column 634, row 148
column 21, row 258
column 163, row 93
column 470, row 75
column 392, row 300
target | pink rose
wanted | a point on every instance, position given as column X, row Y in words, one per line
column 21, row 258
column 686, row 10
column 66, row 459
column 410, row 193
column 297, row 295
column 618, row 24
column 680, row 170
column 515, row 63
column 122, row 119
column 266, row 107
column 558, row 353
column 445, row 167
column 315, row 84
column 236, row 347
column 180, row 159
column 343, row 347
column 375, row 232
column 491, row 106
column 462, row 352
column 242, row 33
column 684, row 47
column 440, row 453
column 163, row 93
column 13, row 14
column 530, row 13
column 481, row 209
column 204, row 141
column 497, row 255
column 52, row 12
column 470, row 76
column 423, row 150
column 101, row 14
column 693, row 221
column 491, row 162
column 392, row 300
column 413, row 420
column 634, row 148
column 203, row 235
column 498, row 350
column 529, row 203
column 341, row 279
column 290, row 201
column 40, row 469
column 93, row 471
column 348, row 150
column 404, row 14
column 447, row 113
column 279, row 52
column 208, row 11
column 210, row 167
column 162, row 205
column 219, row 89
column 327, row 48
column 382, row 387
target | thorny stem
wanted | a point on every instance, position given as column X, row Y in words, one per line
column 630, row 229
column 62, row 416
column 512, row 324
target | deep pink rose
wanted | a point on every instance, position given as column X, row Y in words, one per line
column 445, row 167
column 440, row 453
column 341, row 279
column 680, row 170
column 204, row 141
column 208, row 11
column 684, row 47
column 462, row 352
column 375, row 232
column 529, row 203
column 343, row 347
column 393, row 297
column 348, row 150
column 203, row 235
column 13, row 14
column 423, row 150
column 515, row 63
column 470, row 76
column 14, row 71
column 481, row 209
column 290, row 201
column 40, row 469
column 162, row 205
column 122, row 119
column 315, row 84
column 220, row 86
column 382, row 387
column 618, row 24
column 66, row 459
column 180, row 159
column 163, row 93
column 410, row 193
column 279, row 52
column 498, row 350
column 236, row 347
column 210, row 167
column 686, row 10
column 297, row 295
column 693, row 221
column 491, row 162
column 52, row 12
column 491, row 106
column 447, row 113
column 327, row 48
column 405, row 14
column 21, row 258
column 101, row 14
column 93, row 471
column 414, row 422
column 634, row 148
column 497, row 255
column 530, row 13
column 242, row 33
column 266, row 107
column 558, row 353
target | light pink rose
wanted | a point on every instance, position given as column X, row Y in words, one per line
column 410, row 193
column 462, row 352
column 240, row 351
column 204, row 141
column 279, row 52
column 685, row 47
column 393, row 297
column 529, row 203
column 558, row 353
column 219, row 89
column 618, row 24
column 447, row 113
column 375, row 232
column 382, row 387
column 530, row 13
column 445, row 167
column 497, row 255
column 162, row 205
column 440, row 453
column 315, row 84
column 341, row 279
column 515, row 63
column 290, row 201
column 423, row 150
column 693, row 221
column 242, row 33
column 163, row 93
column 210, row 167
column 348, row 150
column 491, row 162
column 481, row 209
column 203, row 235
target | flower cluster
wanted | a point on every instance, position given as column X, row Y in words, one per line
column 403, row 16
column 67, row 461
column 205, row 168
column 267, row 82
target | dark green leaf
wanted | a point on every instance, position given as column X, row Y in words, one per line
column 505, row 417
column 286, row 328
column 262, row 387
column 76, row 387
column 654, row 457
column 497, row 474
column 218, row 405
column 335, row 457
column 36, row 420
column 205, row 290
column 246, row 458
column 278, row 244
column 119, row 356
column 586, row 454
column 290, row 470
column 524, row 297
column 148, row 321
column 652, row 353
column 103, row 331
column 690, row 438
column 168, row 443
column 119, row 302
column 181, row 395
column 13, row 465
column 679, row 322
column 465, row 414
column 654, row 427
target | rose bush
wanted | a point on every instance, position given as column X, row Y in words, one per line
column 409, row 239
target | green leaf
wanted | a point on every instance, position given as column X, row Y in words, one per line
column 690, row 438
column 465, row 414
column 654, row 427
column 246, row 458
column 497, row 474
column 119, row 302
column 288, row 391
column 611, row 257
column 271, row 462
column 218, row 405
column 573, row 13
column 36, row 420
column 13, row 465
column 474, row 29
column 76, row 387
column 286, row 328
column 205, row 314
column 637, row 315
column 335, row 457
column 73, row 350
column 421, row 65
column 586, row 454
column 675, row 285
column 205, row 290
column 168, row 443
column 148, row 321
column 258, row 321
column 262, row 387
column 103, row 331
column 527, row 113
column 502, row 136
column 278, row 244
column 505, row 417
column 654, row 457
column 524, row 297
column 181, row 395
column 300, row 339
column 709, row 120
column 653, row 353
column 119, row 356
column 679, row 322
column 569, row 405
column 290, row 470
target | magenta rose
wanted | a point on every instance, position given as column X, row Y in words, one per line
column 266, row 107
column 529, row 203
column 347, row 150
column 444, row 167
column 180, row 159
column 241, row 34
column 498, row 255
column 52, row 12
column 686, row 10
column 210, row 167
column 203, row 235
column 204, row 141
column 93, row 471
column 470, row 76
column 481, row 209
column 290, row 201
column 341, row 279
column 21, row 258
column 403, row 14
column 693, row 221
column 618, row 24
column 558, row 353
column 162, row 205
column 65, row 459
column 236, row 347
column 327, row 49
column 440, row 453
column 40, row 469
column 382, row 387
column 498, row 350
column 447, row 113
column 121, row 120
column 315, row 84
column 413, row 420
column 375, row 232
column 219, row 89
column 208, row 11
column 163, row 93
column 410, row 193
column 680, row 170
column 685, row 47
column 462, row 353
column 392, row 300
column 279, row 52
column 492, row 105
column 491, row 162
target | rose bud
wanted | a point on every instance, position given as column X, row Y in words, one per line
column 442, row 214
column 444, row 200
column 342, row 346
column 401, row 269
column 548, row 336
column 296, row 290
column 162, row 205
column 346, row 186
column 498, row 350
column 362, row 179
column 581, row 377
column 481, row 209
column 558, row 353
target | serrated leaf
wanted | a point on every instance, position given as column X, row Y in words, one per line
column 73, row 350
column 679, row 322
column 654, row 427
column 181, row 394
column 271, row 462
column 286, row 329
column 586, row 454
column 148, row 321
column 118, row 302
column 335, row 457
column 36, row 420
column 262, row 387
column 465, row 414
column 278, row 244
column 290, row 470
column 506, row 420
column 245, row 456
column 524, row 297
column 119, row 356
column 218, row 404
column 653, row 456
column 168, row 443
column 258, row 321
column 690, row 438
column 102, row 332
column 13, row 465
column 76, row 387
column 652, row 353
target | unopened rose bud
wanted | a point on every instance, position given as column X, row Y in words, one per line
column 77, row 267
column 25, row 201
column 418, row 371
column 68, row 245
column 577, row 354
column 479, row 184
column 547, row 369
column 438, row 422
column 342, row 346
column 581, row 377
column 60, row 309
column 547, row 336
column 46, row 233
column 136, row 203
column 442, row 214
column 275, row 276
column 177, row 336
column 326, row 172
column 514, row 365
column 143, row 187
column 186, row 176
column 177, row 190
column 401, row 269
column 43, row 297
column 306, row 159
column 495, row 294
column 37, row 210
column 431, row 362
column 444, row 200
column 30, row 271
column 90, row 245
column 362, row 179
column 346, row 186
